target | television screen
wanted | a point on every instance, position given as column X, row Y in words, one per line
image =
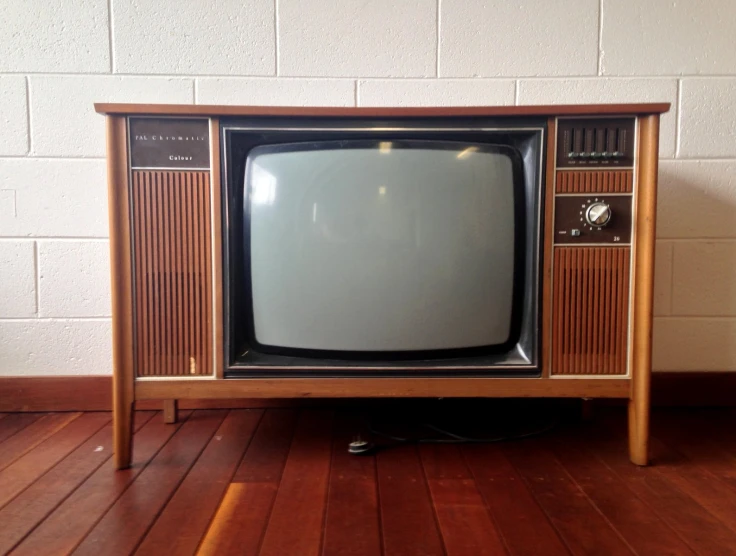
column 381, row 246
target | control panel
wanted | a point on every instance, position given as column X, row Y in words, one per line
column 599, row 142
column 594, row 218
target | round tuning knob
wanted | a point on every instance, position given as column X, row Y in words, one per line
column 598, row 214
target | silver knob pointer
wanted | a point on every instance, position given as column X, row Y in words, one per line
column 598, row 214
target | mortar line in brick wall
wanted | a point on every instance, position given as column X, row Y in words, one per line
column 696, row 317
column 671, row 246
column 276, row 36
column 600, row 37
column 372, row 77
column 697, row 239
column 356, row 93
column 28, row 114
column 438, row 27
column 678, row 105
column 110, row 35
column 37, row 276
column 93, row 239
column 32, row 157
column 55, row 319
column 195, row 92
column 702, row 158
column 516, row 92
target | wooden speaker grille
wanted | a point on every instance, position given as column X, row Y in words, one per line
column 590, row 310
column 594, row 181
column 172, row 273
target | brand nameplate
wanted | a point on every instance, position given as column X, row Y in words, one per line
column 169, row 143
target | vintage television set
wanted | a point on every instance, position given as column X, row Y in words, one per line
column 374, row 252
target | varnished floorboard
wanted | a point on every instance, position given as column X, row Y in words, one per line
column 280, row 482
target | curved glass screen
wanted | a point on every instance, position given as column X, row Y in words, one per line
column 381, row 246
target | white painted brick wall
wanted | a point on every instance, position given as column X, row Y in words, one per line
column 275, row 91
column 59, row 56
column 17, row 278
column 13, row 115
column 436, row 92
column 74, row 278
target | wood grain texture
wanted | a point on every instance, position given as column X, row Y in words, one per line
column 126, row 522
column 186, row 517
column 643, row 530
column 550, row 110
column 20, row 474
column 464, row 521
column 12, row 423
column 121, row 268
column 29, row 433
column 384, row 388
column 31, row 506
column 240, row 522
column 297, row 517
column 701, row 530
column 645, row 213
column 70, row 522
column 548, row 198
column 172, row 257
column 217, row 228
column 594, row 181
column 522, row 523
column 352, row 525
column 591, row 310
column 570, row 491
column 408, row 520
column 579, row 523
column 705, row 487
column 170, row 411
column 94, row 393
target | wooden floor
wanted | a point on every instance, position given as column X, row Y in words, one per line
column 280, row 482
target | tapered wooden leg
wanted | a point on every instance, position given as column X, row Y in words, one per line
column 170, row 407
column 638, row 433
column 122, row 435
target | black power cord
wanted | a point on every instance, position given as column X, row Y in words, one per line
column 519, row 423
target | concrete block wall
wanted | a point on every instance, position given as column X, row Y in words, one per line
column 59, row 56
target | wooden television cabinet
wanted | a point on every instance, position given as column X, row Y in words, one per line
column 167, row 233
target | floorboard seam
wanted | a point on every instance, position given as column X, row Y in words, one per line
column 489, row 512
column 590, row 501
column 276, row 494
column 541, row 507
column 159, row 414
column 68, row 494
column 178, row 484
column 230, row 480
column 41, row 441
column 428, row 490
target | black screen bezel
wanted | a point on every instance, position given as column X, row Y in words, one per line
column 405, row 355
column 240, row 135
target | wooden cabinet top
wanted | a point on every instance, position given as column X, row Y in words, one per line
column 541, row 110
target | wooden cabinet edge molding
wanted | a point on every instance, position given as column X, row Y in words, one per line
column 227, row 110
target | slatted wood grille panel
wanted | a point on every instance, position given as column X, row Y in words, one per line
column 172, row 282
column 596, row 181
column 590, row 310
